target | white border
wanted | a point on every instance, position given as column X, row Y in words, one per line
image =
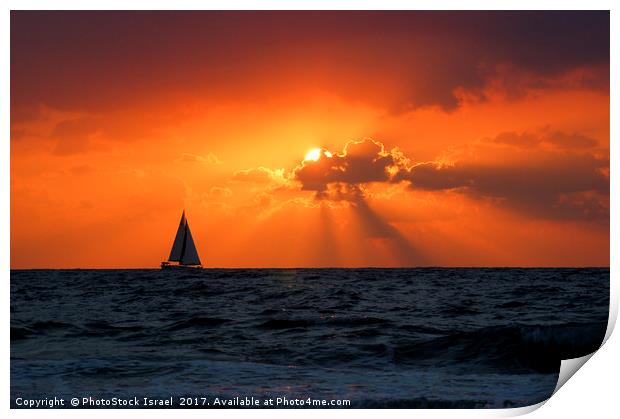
column 593, row 393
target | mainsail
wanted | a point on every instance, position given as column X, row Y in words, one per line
column 177, row 246
column 190, row 255
column 183, row 249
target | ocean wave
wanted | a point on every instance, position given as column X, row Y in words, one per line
column 520, row 347
column 195, row 322
column 324, row 322
column 22, row 332
column 277, row 324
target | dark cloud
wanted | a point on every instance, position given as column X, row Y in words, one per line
column 73, row 136
column 547, row 184
column 570, row 141
column 558, row 139
column 18, row 134
column 360, row 162
column 525, row 139
column 395, row 59
column 555, row 188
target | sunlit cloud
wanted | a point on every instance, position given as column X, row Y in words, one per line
column 210, row 158
column 219, row 192
column 260, row 175
column 540, row 184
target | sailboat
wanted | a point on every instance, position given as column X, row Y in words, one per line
column 183, row 249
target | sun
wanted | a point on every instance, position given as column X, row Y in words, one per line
column 313, row 154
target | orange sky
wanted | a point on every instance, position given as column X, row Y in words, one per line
column 456, row 139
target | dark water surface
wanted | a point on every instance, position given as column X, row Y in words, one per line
column 378, row 337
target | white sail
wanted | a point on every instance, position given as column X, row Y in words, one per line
column 190, row 254
column 177, row 246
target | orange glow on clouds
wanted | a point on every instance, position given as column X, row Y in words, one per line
column 325, row 154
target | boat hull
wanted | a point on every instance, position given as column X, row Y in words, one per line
column 168, row 265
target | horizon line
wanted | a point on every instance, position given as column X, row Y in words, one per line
column 330, row 267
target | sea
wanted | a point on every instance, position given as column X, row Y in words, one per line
column 320, row 338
